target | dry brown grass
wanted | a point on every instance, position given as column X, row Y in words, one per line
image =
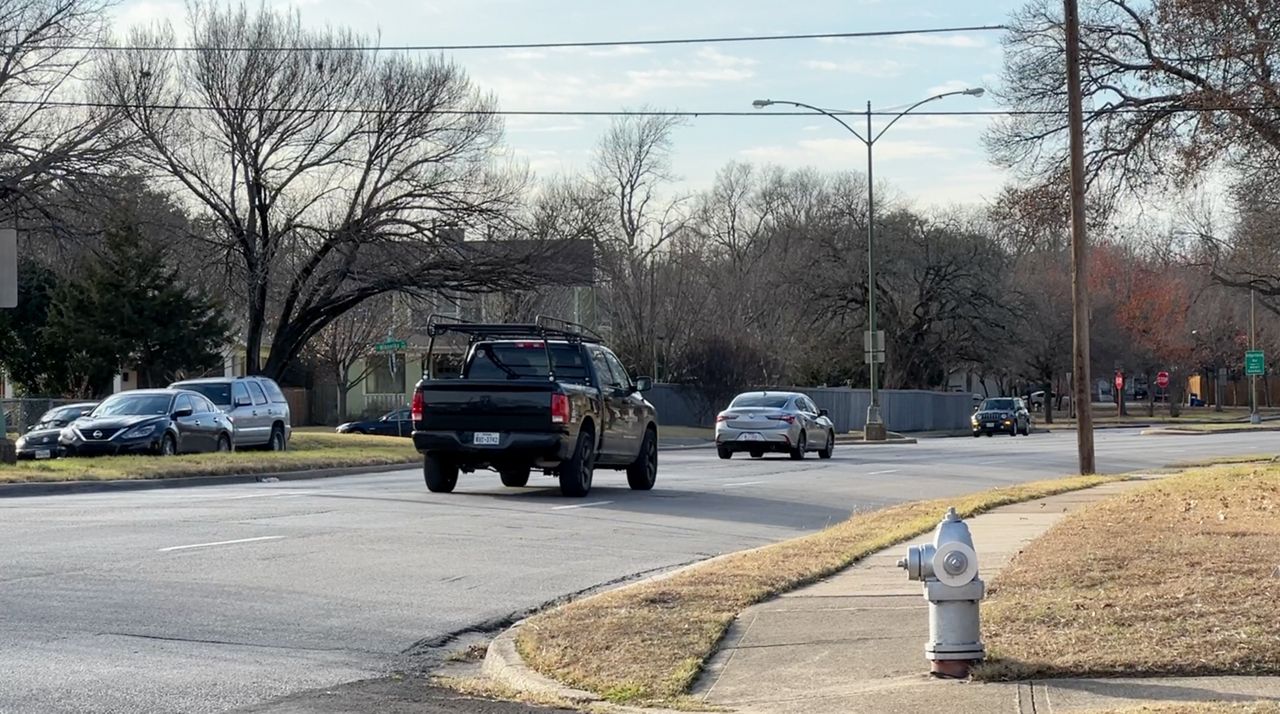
column 1199, row 708
column 1178, row 578
column 307, row 451
column 647, row 642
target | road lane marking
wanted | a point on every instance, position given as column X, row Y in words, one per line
column 744, row 483
column 221, row 542
column 878, row 473
column 580, row 505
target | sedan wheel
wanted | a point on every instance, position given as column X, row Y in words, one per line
column 802, row 446
column 224, row 443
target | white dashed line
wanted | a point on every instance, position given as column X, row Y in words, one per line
column 878, row 473
column 221, row 542
column 580, row 505
column 745, row 483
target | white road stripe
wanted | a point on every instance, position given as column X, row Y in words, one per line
column 745, row 483
column 221, row 542
column 580, row 505
column 878, row 473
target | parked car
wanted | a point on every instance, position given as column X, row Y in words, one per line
column 1001, row 414
column 256, row 406
column 41, row 440
column 149, row 421
column 396, row 423
column 547, row 395
column 786, row 422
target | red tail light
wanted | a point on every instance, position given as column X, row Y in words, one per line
column 415, row 409
column 726, row 417
column 559, row 409
column 784, row 417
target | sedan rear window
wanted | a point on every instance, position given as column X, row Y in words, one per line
column 763, row 401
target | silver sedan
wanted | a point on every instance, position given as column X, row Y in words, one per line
column 787, row 422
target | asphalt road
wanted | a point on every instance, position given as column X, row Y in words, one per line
column 233, row 597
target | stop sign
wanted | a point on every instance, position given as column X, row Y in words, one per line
column 1119, row 381
column 1162, row 380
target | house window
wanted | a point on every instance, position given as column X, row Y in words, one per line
column 387, row 376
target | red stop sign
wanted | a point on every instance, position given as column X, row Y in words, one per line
column 1162, row 380
column 1119, row 380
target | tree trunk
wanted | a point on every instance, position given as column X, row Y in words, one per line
column 1151, row 396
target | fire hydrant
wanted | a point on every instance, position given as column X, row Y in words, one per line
column 948, row 567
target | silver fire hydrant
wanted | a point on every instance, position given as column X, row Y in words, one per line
column 948, row 567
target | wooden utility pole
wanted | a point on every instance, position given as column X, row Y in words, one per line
column 1080, row 380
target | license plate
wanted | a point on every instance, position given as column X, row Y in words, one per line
column 990, row 424
column 44, row 454
column 486, row 438
column 750, row 437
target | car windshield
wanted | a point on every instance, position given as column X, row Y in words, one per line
column 525, row 360
column 763, row 401
column 135, row 405
column 997, row 405
column 217, row 392
column 61, row 414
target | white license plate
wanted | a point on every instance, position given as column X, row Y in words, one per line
column 44, row 454
column 750, row 437
column 990, row 424
column 486, row 438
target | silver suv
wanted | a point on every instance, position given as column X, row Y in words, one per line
column 256, row 406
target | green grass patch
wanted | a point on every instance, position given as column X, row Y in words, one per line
column 306, row 451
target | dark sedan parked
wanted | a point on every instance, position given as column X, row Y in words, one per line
column 153, row 421
column 41, row 440
column 396, row 423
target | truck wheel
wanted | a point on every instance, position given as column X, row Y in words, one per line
column 441, row 476
column 517, row 477
column 643, row 472
column 724, row 452
column 802, row 447
column 575, row 474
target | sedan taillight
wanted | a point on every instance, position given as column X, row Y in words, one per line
column 416, row 408
column 784, row 417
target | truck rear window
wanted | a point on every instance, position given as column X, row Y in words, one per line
column 525, row 360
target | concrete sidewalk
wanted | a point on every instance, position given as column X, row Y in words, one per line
column 855, row 642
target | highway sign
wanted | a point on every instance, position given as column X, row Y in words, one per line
column 1162, row 380
column 1255, row 363
column 390, row 346
column 867, row 345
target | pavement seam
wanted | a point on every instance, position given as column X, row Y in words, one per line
column 732, row 653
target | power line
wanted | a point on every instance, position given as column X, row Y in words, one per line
column 690, row 114
column 551, row 45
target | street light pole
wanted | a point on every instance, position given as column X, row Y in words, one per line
column 875, row 428
column 1254, row 417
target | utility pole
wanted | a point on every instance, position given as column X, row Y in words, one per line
column 1080, row 380
column 1254, row 417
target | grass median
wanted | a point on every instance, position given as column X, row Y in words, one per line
column 1179, row 578
column 647, row 642
column 306, row 451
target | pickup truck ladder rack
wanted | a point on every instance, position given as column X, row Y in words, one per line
column 543, row 328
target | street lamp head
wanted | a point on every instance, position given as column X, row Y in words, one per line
column 975, row 92
column 762, row 103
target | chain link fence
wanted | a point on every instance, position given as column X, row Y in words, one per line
column 20, row 414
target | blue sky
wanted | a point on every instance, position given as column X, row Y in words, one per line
column 931, row 160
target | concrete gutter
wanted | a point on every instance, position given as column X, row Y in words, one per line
column 46, row 488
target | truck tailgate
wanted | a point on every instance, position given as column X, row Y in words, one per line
column 504, row 406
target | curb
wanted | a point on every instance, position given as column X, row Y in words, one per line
column 504, row 665
column 46, row 488
column 886, row 442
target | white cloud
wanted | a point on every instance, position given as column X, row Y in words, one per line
column 866, row 68
column 720, row 59
column 954, row 85
column 521, row 55
column 146, row 13
column 848, row 153
column 953, row 41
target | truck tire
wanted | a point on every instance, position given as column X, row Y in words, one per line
column 515, row 477
column 440, row 475
column 643, row 472
column 576, row 473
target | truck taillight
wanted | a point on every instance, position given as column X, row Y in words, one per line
column 559, row 409
column 415, row 409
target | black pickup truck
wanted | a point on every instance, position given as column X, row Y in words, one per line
column 545, row 396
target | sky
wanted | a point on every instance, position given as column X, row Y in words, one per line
column 933, row 161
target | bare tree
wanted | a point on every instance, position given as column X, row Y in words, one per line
column 42, row 143
column 348, row 341
column 332, row 175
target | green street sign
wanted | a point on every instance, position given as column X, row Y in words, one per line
column 390, row 346
column 1255, row 364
